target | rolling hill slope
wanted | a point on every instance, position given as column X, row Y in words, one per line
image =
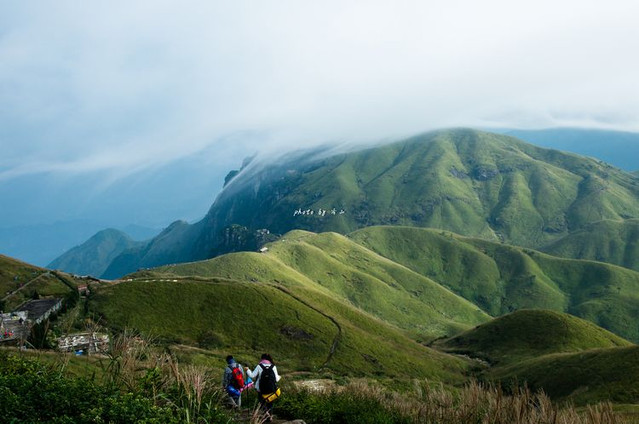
column 501, row 278
column 470, row 182
column 530, row 333
column 333, row 264
column 304, row 329
column 566, row 357
column 615, row 242
column 431, row 283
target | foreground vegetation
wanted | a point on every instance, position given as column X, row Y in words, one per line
column 33, row 391
column 139, row 386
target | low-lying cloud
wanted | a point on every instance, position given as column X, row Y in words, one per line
column 122, row 86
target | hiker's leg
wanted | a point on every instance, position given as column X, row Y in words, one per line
column 230, row 402
column 269, row 411
column 264, row 405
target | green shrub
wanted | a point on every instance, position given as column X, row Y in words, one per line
column 34, row 392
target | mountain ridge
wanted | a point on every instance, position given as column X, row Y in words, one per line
column 620, row 148
column 469, row 182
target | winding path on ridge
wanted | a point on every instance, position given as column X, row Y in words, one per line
column 338, row 336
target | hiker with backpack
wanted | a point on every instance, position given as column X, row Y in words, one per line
column 233, row 381
column 266, row 377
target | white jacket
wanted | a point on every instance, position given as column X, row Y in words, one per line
column 257, row 373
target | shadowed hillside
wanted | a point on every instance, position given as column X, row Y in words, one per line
column 94, row 256
column 174, row 242
column 470, row 182
column 566, row 357
column 581, row 377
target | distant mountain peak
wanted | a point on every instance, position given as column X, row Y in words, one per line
column 94, row 256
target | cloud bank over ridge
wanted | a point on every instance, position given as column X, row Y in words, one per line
column 121, row 86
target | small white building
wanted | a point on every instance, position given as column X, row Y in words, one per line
column 85, row 342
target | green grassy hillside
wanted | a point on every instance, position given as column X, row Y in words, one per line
column 615, row 242
column 469, row 182
column 583, row 377
column 473, row 183
column 334, row 265
column 20, row 282
column 304, row 329
column 94, row 256
column 501, row 278
column 566, row 357
column 528, row 334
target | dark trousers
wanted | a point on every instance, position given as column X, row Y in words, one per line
column 267, row 407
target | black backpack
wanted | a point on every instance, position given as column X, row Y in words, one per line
column 267, row 380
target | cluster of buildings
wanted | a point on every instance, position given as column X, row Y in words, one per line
column 16, row 326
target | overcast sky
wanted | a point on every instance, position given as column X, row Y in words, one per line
column 121, row 86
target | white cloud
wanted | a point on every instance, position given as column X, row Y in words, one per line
column 127, row 85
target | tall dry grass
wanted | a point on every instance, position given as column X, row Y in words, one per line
column 134, row 365
column 473, row 404
column 129, row 355
column 484, row 404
